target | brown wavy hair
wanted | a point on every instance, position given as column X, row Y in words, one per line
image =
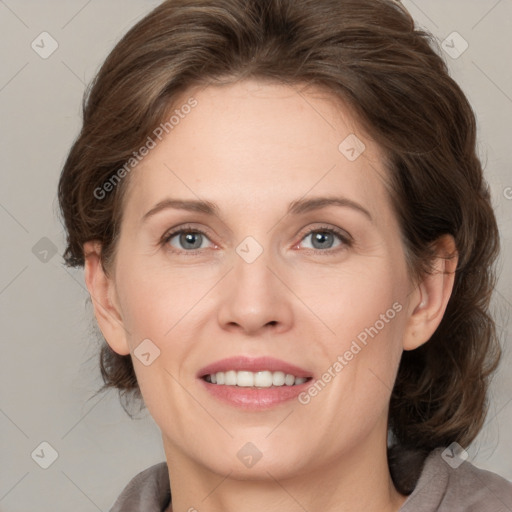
column 369, row 54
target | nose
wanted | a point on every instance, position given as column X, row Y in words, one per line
column 254, row 298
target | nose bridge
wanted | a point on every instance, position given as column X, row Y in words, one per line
column 252, row 280
column 251, row 268
column 253, row 297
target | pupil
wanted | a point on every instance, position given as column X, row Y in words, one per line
column 321, row 237
column 189, row 238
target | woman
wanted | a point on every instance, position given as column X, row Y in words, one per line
column 321, row 164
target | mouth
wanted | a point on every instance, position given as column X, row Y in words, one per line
column 254, row 383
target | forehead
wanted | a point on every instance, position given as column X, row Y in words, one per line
column 252, row 138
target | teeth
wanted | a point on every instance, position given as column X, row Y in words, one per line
column 230, row 378
column 264, row 379
column 289, row 380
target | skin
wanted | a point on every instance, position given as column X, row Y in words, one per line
column 252, row 148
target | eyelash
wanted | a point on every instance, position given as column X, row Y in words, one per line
column 343, row 237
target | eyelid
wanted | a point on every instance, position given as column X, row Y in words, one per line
column 344, row 235
column 172, row 232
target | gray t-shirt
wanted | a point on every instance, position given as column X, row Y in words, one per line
column 440, row 488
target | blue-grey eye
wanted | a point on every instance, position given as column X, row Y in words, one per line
column 323, row 239
column 187, row 240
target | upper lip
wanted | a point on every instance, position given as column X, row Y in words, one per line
column 258, row 364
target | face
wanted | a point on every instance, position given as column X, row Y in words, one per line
column 265, row 275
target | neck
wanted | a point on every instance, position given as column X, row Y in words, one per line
column 356, row 480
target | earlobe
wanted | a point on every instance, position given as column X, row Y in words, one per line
column 104, row 299
column 430, row 298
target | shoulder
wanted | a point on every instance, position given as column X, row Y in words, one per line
column 447, row 483
column 148, row 491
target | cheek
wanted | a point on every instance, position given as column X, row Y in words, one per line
column 368, row 319
column 158, row 309
column 153, row 302
column 356, row 300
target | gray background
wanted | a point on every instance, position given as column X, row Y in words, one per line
column 48, row 366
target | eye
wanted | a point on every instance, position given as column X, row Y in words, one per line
column 324, row 238
column 185, row 240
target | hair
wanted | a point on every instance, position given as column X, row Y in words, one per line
column 370, row 55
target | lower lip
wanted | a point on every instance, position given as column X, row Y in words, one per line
column 254, row 398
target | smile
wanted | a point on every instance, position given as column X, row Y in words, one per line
column 254, row 383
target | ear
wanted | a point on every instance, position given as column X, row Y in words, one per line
column 430, row 297
column 104, row 298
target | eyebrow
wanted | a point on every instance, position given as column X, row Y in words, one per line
column 296, row 207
